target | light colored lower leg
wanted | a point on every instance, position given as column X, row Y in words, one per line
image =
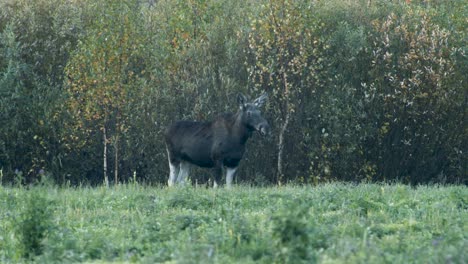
column 183, row 172
column 173, row 171
column 230, row 172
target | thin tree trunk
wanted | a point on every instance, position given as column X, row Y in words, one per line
column 116, row 160
column 283, row 130
column 281, row 147
column 106, row 180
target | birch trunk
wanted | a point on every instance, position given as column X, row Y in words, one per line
column 116, row 160
column 104, row 165
column 283, row 130
column 281, row 147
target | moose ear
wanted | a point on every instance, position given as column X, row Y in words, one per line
column 242, row 100
column 261, row 100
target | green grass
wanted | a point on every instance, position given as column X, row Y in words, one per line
column 331, row 223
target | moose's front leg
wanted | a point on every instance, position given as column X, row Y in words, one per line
column 218, row 174
column 230, row 173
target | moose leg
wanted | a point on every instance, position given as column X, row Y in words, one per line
column 183, row 172
column 230, row 173
column 218, row 174
column 173, row 169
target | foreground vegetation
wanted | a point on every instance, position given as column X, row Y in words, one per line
column 330, row 223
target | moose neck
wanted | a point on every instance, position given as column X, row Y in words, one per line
column 240, row 129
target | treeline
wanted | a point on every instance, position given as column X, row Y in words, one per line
column 359, row 90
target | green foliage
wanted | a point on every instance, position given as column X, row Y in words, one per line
column 35, row 224
column 34, row 45
column 291, row 231
column 337, row 223
column 411, row 58
column 359, row 90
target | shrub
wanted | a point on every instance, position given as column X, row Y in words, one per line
column 35, row 224
column 291, row 233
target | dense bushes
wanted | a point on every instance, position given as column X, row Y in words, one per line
column 359, row 90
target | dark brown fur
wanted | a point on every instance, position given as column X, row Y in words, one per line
column 216, row 144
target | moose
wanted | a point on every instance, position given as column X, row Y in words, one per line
column 218, row 144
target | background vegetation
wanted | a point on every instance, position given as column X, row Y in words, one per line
column 359, row 90
column 329, row 223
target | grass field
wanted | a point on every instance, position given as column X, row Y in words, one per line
column 331, row 223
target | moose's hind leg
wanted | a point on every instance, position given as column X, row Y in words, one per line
column 183, row 172
column 174, row 166
column 174, row 171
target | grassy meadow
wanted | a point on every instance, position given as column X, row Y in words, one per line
column 330, row 223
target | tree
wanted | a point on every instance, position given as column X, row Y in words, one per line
column 282, row 45
column 101, row 75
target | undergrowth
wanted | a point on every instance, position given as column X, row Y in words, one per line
column 331, row 223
